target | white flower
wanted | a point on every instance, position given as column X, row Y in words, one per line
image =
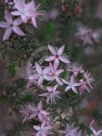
column 42, row 130
column 71, row 131
column 71, row 84
column 27, row 11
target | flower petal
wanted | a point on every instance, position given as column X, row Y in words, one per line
column 40, row 105
column 40, row 81
column 63, row 59
column 44, row 113
column 18, row 31
column 44, row 95
column 33, row 77
column 52, row 50
column 48, row 78
column 7, row 33
column 8, row 17
column 24, row 18
column 60, row 50
column 4, row 24
column 20, row 4
column 56, row 64
column 67, row 88
column 36, row 127
column 49, row 89
column 34, row 22
column 51, row 58
column 64, row 81
column 15, row 13
column 99, row 133
column 55, row 87
column 38, row 68
column 59, row 81
column 17, row 21
column 46, row 70
column 58, row 72
column 74, row 89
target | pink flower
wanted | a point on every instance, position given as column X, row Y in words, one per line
column 28, row 74
column 72, row 131
column 54, row 73
column 83, row 86
column 57, row 56
column 75, row 69
column 27, row 11
column 11, row 26
column 39, row 75
column 71, row 84
column 47, row 121
column 52, row 94
column 40, row 113
column 42, row 130
column 31, row 111
column 35, row 13
column 28, row 112
column 88, row 78
column 22, row 9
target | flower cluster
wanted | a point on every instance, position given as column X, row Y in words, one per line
column 60, row 73
column 23, row 12
column 54, row 76
column 31, row 111
column 37, row 112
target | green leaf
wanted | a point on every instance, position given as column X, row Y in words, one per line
column 28, row 98
column 3, row 98
column 50, row 30
column 65, row 74
column 12, row 69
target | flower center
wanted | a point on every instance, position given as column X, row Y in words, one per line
column 57, row 56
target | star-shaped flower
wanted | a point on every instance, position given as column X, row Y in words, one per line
column 75, row 69
column 11, row 26
column 40, row 74
column 42, row 130
column 52, row 94
column 71, row 84
column 57, row 56
column 71, row 131
column 84, row 86
column 28, row 112
column 27, row 11
column 54, row 73
column 40, row 113
column 31, row 111
column 89, row 79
